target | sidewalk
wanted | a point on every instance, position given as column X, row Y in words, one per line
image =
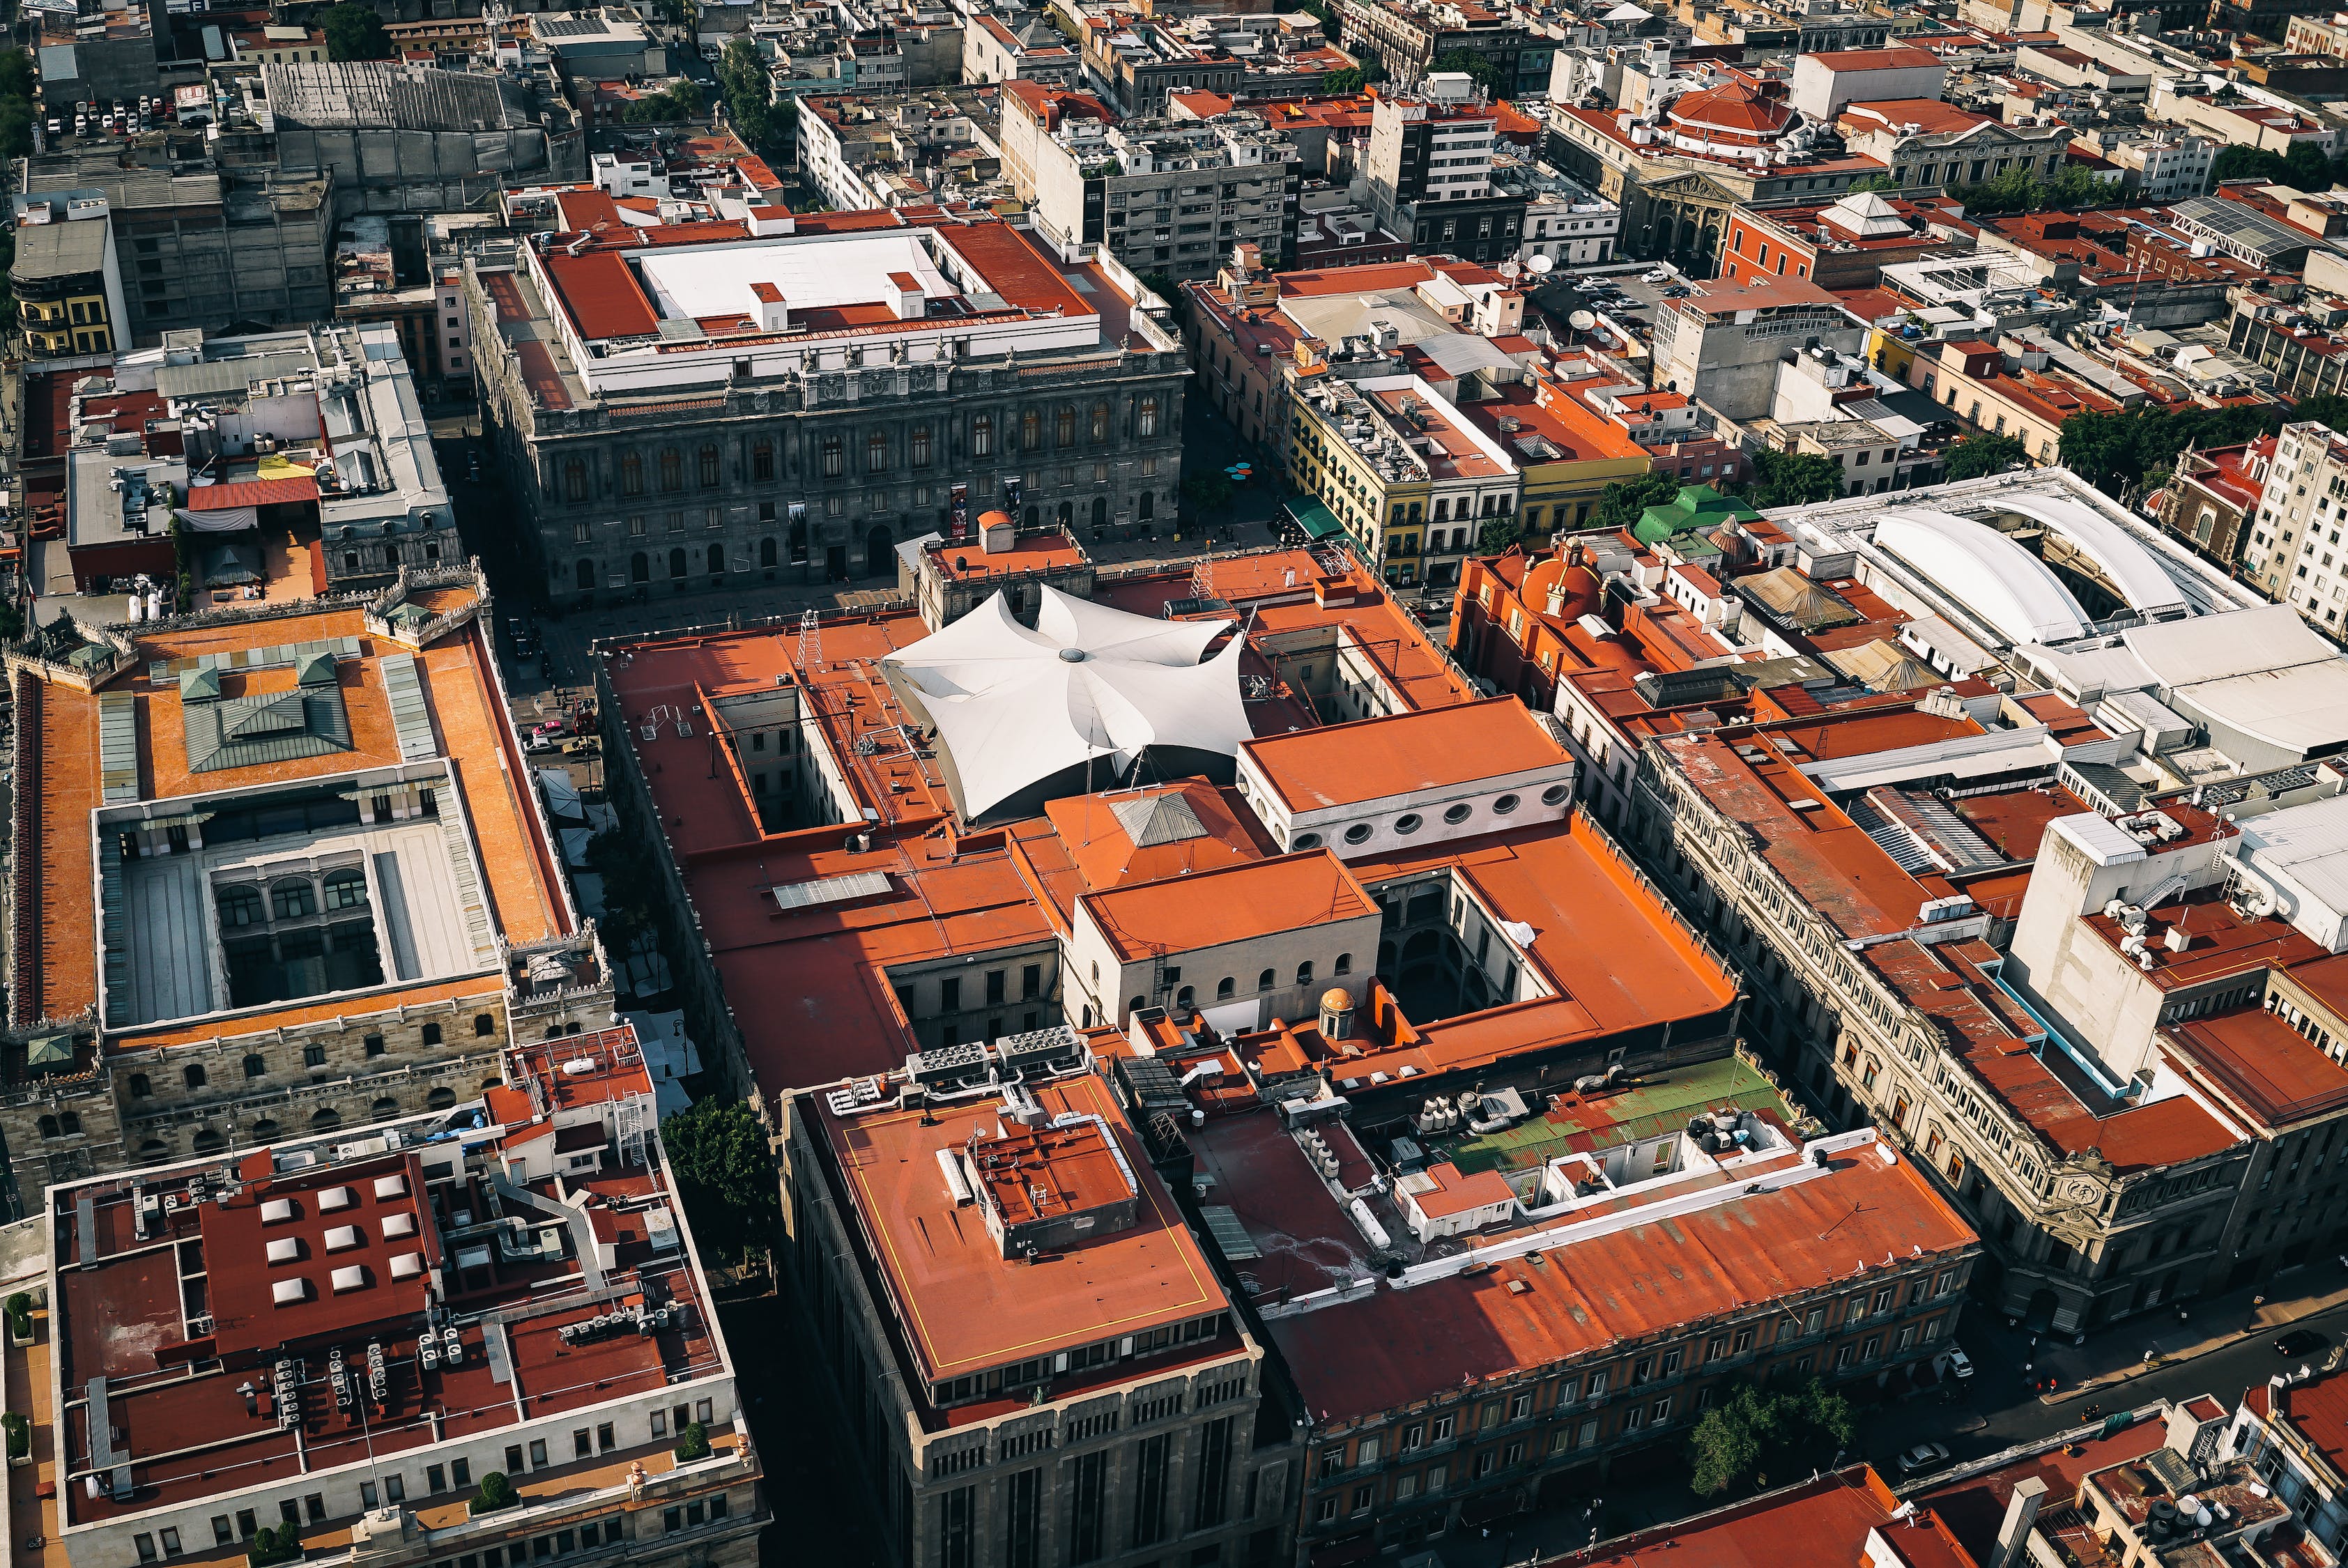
column 2157, row 1340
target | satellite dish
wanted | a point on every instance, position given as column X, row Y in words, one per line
column 1582, row 321
column 1538, row 264
column 1507, row 269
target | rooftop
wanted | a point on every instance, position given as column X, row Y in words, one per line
column 1402, row 753
column 966, row 1305
column 330, row 1303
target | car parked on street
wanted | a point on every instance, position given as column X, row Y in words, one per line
column 2300, row 1342
column 1960, row 1364
column 1923, row 1459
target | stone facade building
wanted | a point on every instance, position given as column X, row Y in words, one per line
column 803, row 438
column 337, row 917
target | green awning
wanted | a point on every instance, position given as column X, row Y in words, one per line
column 1317, row 521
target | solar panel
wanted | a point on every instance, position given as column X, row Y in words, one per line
column 1223, row 1225
column 831, row 890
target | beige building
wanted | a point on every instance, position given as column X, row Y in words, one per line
column 2293, row 551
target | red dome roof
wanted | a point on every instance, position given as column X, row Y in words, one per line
column 1734, row 110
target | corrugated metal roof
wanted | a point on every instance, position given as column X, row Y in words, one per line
column 410, row 719
column 235, row 374
column 118, row 747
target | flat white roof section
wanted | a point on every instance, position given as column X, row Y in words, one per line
column 1975, row 564
column 843, row 270
column 2305, row 849
column 2130, row 569
column 2214, row 647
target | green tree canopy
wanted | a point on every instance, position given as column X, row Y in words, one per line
column 1345, row 83
column 1974, row 456
column 2239, row 162
column 1620, row 504
column 496, row 1492
column 353, row 32
column 749, row 93
column 1486, row 74
column 1788, row 479
column 1758, row 1434
column 726, row 1174
column 1876, row 182
column 1501, row 534
column 2115, row 450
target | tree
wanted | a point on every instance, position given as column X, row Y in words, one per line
column 2239, row 162
column 726, row 1174
column 274, row 1543
column 1876, row 182
column 1205, row 492
column 742, row 76
column 1501, row 534
column 496, row 1492
column 1345, row 83
column 2305, row 168
column 1789, row 479
column 1757, row 1431
column 1620, row 504
column 693, row 1443
column 1974, row 456
column 353, row 32
column 1486, row 74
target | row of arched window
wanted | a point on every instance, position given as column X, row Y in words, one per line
column 1023, row 431
column 291, row 898
column 1227, row 986
column 325, row 1119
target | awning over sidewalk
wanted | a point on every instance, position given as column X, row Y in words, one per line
column 1316, row 519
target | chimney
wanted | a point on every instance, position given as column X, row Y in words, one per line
column 906, row 300
column 2020, row 1518
column 774, row 311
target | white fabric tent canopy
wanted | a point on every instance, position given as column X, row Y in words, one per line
column 1013, row 706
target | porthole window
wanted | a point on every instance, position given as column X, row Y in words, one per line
column 1504, row 805
column 1358, row 833
column 1457, row 814
column 1554, row 795
column 1409, row 823
column 1305, row 841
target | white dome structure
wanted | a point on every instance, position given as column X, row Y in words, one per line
column 1981, row 569
column 1012, row 707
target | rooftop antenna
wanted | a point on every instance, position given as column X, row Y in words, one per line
column 811, row 639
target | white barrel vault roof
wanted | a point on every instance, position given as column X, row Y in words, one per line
column 2130, row 568
column 1987, row 573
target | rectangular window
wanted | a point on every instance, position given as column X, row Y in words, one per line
column 606, row 1439
column 538, row 1453
column 395, row 1488
column 367, row 1497
column 461, row 1472
column 221, row 1534
column 582, row 1444
column 436, row 1479
column 314, row 1504
column 146, row 1545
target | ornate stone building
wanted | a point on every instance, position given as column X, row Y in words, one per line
column 277, row 872
column 722, row 403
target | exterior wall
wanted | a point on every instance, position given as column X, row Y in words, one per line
column 957, row 1499
column 1303, row 965
column 2291, row 557
column 2303, row 1476
column 2211, row 523
column 1732, row 366
column 263, row 256
column 779, row 515
column 2076, row 1243
column 1458, row 1457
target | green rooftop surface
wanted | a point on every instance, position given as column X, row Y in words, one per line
column 1698, row 509
column 1647, row 1108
